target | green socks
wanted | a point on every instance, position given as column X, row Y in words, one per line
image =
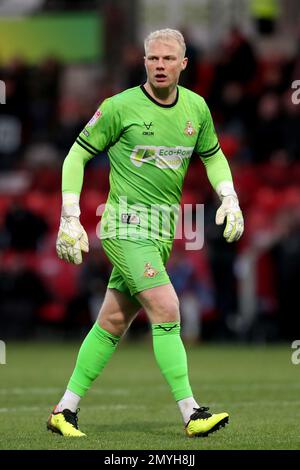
column 94, row 353
column 99, row 345
column 170, row 355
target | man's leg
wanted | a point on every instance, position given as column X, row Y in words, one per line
column 162, row 307
column 115, row 316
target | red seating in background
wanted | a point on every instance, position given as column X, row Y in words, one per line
column 247, row 182
column 265, row 191
column 46, row 180
column 91, row 203
column 230, row 144
column 47, row 205
column 5, row 203
column 205, row 75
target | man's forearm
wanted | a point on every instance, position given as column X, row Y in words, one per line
column 72, row 239
column 217, row 169
column 220, row 177
column 73, row 169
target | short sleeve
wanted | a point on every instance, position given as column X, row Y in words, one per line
column 102, row 130
column 207, row 144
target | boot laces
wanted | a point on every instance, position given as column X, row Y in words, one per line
column 201, row 413
column 71, row 417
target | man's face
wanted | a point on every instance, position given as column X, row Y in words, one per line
column 164, row 62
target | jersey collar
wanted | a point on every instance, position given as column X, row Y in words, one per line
column 156, row 102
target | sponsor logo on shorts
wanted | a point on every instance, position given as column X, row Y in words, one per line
column 150, row 271
column 86, row 133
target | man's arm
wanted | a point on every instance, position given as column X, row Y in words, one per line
column 101, row 131
column 219, row 175
column 72, row 238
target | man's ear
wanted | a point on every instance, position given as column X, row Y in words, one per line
column 184, row 63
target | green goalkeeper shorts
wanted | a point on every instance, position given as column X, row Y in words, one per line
column 138, row 264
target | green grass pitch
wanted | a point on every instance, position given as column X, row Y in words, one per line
column 130, row 405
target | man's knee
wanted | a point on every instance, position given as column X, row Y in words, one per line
column 113, row 323
column 166, row 310
column 117, row 312
column 161, row 305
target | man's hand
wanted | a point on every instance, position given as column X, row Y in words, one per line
column 230, row 209
column 72, row 238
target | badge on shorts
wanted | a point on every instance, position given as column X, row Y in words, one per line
column 150, row 271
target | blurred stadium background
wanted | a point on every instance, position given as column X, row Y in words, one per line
column 59, row 60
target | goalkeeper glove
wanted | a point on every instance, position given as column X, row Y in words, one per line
column 72, row 238
column 230, row 210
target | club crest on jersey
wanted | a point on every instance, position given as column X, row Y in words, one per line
column 150, row 271
column 95, row 118
column 189, row 130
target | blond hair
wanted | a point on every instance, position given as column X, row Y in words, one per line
column 166, row 34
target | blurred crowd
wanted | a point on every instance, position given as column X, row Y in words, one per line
column 258, row 124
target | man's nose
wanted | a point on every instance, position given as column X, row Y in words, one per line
column 160, row 64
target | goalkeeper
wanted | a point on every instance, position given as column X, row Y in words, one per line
column 150, row 133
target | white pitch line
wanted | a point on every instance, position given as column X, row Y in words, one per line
column 126, row 391
column 252, row 386
column 258, row 403
column 118, row 406
column 91, row 407
column 44, row 391
column 239, row 387
column 239, row 404
column 29, row 391
column 19, row 408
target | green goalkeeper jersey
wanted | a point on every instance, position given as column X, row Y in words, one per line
column 149, row 147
